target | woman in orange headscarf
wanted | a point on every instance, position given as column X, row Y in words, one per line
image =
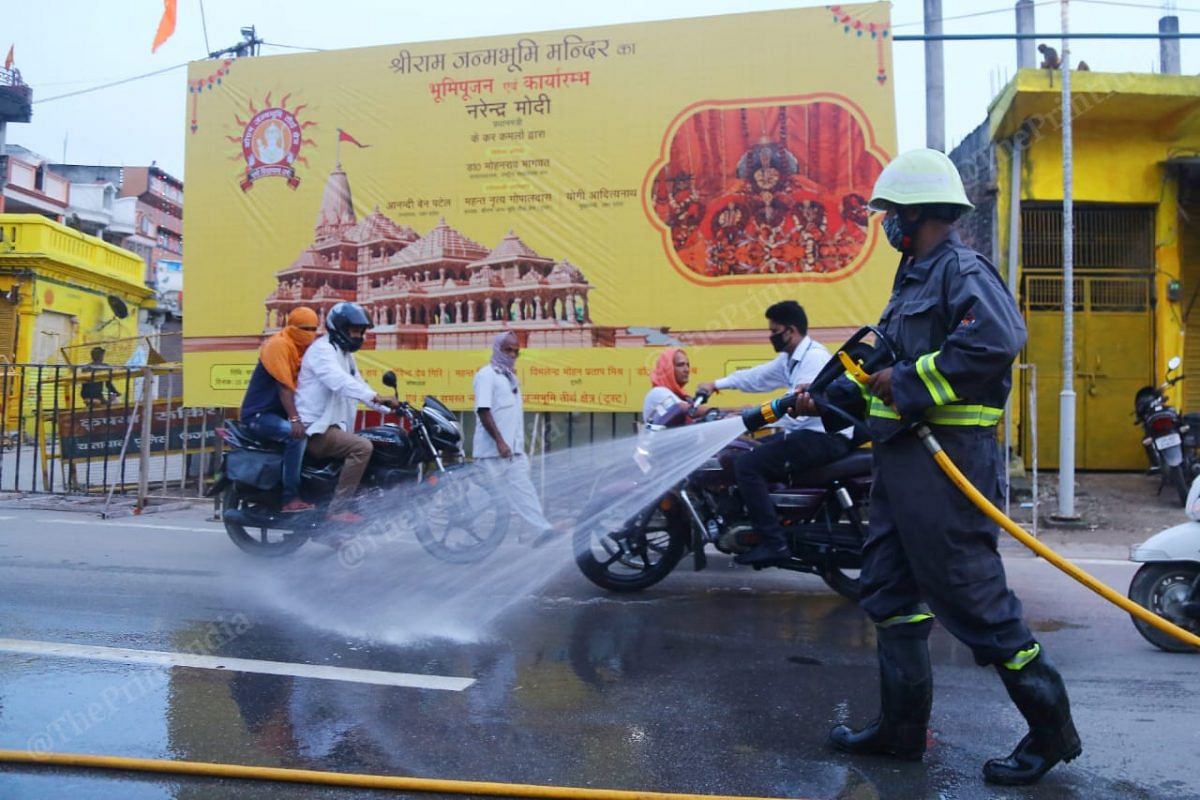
column 667, row 404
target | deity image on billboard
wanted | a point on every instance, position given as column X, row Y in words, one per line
column 768, row 190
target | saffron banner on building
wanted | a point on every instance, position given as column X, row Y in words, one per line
column 602, row 192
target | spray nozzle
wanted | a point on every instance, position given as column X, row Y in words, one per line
column 758, row 417
column 700, row 399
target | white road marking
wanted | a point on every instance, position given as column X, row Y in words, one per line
column 121, row 524
column 161, row 659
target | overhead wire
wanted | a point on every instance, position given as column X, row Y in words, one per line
column 974, row 14
column 112, row 84
column 293, row 47
column 1009, row 10
column 1146, row 6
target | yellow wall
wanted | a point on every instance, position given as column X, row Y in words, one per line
column 67, row 272
column 1114, row 161
column 64, row 271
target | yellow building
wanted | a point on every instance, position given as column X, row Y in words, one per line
column 1136, row 167
column 60, row 288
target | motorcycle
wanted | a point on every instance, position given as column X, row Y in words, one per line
column 456, row 516
column 823, row 511
column 1168, row 582
column 1170, row 439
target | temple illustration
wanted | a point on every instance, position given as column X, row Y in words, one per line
column 436, row 291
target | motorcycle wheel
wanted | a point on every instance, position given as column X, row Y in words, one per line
column 1163, row 588
column 270, row 542
column 844, row 584
column 462, row 520
column 1179, row 480
column 627, row 555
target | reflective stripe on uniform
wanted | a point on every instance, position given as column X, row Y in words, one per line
column 878, row 409
column 862, row 388
column 959, row 415
column 1023, row 657
column 935, row 382
column 983, row 416
column 904, row 619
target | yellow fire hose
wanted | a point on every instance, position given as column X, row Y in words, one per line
column 973, row 494
column 343, row 779
column 854, row 368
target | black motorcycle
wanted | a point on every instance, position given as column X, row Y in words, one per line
column 1170, row 439
column 418, row 463
column 823, row 511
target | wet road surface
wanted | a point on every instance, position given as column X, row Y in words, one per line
column 724, row 681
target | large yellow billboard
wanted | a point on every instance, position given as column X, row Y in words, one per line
column 602, row 192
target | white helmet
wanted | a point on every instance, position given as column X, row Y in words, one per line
column 919, row 177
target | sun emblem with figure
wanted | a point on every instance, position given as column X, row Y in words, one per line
column 270, row 142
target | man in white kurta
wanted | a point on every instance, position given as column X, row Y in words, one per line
column 499, row 444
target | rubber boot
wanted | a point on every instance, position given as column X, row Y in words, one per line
column 906, row 697
column 1039, row 693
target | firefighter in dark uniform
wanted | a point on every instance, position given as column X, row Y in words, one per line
column 929, row 551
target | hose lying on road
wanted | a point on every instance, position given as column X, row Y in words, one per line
column 973, row 494
column 346, row 779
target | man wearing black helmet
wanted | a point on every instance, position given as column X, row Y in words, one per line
column 327, row 395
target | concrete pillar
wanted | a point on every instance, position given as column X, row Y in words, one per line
column 537, row 308
column 1168, row 49
column 935, row 79
column 1026, row 48
column 458, row 312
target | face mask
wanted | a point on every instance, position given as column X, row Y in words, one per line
column 900, row 233
column 893, row 229
column 778, row 341
column 301, row 338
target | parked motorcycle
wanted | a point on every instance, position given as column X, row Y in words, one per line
column 823, row 512
column 1170, row 439
column 454, row 515
column 1168, row 582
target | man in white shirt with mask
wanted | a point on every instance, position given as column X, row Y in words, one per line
column 499, row 444
column 327, row 395
column 798, row 445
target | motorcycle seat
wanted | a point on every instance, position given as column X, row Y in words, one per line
column 250, row 441
column 857, row 464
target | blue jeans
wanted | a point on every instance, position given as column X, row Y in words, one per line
column 277, row 429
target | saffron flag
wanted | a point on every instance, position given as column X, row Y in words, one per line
column 8, row 61
column 345, row 137
column 166, row 25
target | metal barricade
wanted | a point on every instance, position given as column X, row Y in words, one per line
column 83, row 430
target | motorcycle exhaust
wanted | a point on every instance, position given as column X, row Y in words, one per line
column 253, row 518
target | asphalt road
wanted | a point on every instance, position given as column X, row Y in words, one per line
column 154, row 637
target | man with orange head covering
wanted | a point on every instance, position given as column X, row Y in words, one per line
column 269, row 407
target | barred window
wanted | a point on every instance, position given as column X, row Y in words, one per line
column 1117, row 237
